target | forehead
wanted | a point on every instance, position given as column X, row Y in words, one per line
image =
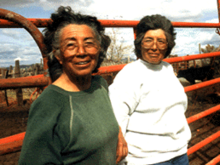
column 77, row 32
column 158, row 33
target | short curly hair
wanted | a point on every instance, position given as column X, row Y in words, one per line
column 154, row 22
column 63, row 17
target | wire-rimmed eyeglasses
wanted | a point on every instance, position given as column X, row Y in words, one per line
column 161, row 43
column 90, row 47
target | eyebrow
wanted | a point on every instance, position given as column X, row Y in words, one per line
column 74, row 39
column 153, row 38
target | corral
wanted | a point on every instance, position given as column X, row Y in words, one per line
column 203, row 110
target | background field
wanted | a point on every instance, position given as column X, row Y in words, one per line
column 13, row 120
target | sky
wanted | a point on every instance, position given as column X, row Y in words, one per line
column 17, row 43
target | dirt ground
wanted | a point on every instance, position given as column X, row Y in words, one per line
column 13, row 120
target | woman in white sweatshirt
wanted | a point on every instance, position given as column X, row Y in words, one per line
column 148, row 100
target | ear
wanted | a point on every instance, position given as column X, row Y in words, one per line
column 59, row 58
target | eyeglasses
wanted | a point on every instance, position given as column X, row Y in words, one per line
column 161, row 43
column 90, row 46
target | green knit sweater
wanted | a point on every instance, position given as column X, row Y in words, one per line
column 71, row 128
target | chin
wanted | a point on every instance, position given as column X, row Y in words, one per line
column 153, row 62
column 156, row 63
column 85, row 74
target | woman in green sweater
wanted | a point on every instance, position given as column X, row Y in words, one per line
column 72, row 121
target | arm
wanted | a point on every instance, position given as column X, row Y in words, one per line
column 41, row 144
column 124, row 94
column 122, row 148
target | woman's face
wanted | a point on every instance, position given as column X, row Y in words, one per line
column 154, row 46
column 79, row 50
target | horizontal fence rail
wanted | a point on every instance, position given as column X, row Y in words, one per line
column 44, row 81
column 24, row 82
column 203, row 114
column 39, row 22
column 201, row 85
column 203, row 143
column 13, row 143
column 214, row 161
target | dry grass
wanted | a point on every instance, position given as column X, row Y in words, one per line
column 11, row 93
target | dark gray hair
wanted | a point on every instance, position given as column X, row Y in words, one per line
column 154, row 22
column 60, row 19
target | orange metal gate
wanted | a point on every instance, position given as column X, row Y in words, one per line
column 13, row 20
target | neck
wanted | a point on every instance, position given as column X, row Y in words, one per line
column 73, row 84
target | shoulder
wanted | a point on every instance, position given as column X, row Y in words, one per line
column 130, row 71
column 100, row 81
column 131, row 76
column 133, row 66
column 167, row 65
column 49, row 95
column 49, row 101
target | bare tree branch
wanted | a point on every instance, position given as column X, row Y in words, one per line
column 117, row 50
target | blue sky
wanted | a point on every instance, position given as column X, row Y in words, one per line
column 18, row 44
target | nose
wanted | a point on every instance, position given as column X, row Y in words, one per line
column 154, row 46
column 81, row 50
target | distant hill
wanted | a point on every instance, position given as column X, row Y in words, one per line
column 124, row 60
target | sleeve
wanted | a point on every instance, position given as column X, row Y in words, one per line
column 124, row 94
column 42, row 143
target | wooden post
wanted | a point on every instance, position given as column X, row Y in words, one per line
column 32, row 70
column 3, row 73
column 36, row 69
column 187, row 63
column 6, row 97
column 200, row 49
column 177, row 67
column 10, row 71
column 19, row 93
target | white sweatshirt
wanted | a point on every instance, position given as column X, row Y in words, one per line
column 149, row 103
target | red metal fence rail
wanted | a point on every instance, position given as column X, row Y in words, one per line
column 14, row 143
column 40, row 22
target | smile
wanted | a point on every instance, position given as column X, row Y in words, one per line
column 154, row 55
column 82, row 63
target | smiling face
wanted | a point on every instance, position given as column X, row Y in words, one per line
column 79, row 50
column 153, row 54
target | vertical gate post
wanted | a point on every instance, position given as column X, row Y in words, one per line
column 19, row 94
column 10, row 71
column 218, row 6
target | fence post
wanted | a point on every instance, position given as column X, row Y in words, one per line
column 6, row 97
column 177, row 67
column 10, row 71
column 186, row 64
column 194, row 63
column 19, row 93
column 36, row 69
column 3, row 73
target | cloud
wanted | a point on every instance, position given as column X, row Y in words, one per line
column 54, row 4
column 135, row 10
column 186, row 10
column 18, row 58
column 26, row 53
column 19, row 44
column 188, row 40
column 13, row 33
column 20, row 3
